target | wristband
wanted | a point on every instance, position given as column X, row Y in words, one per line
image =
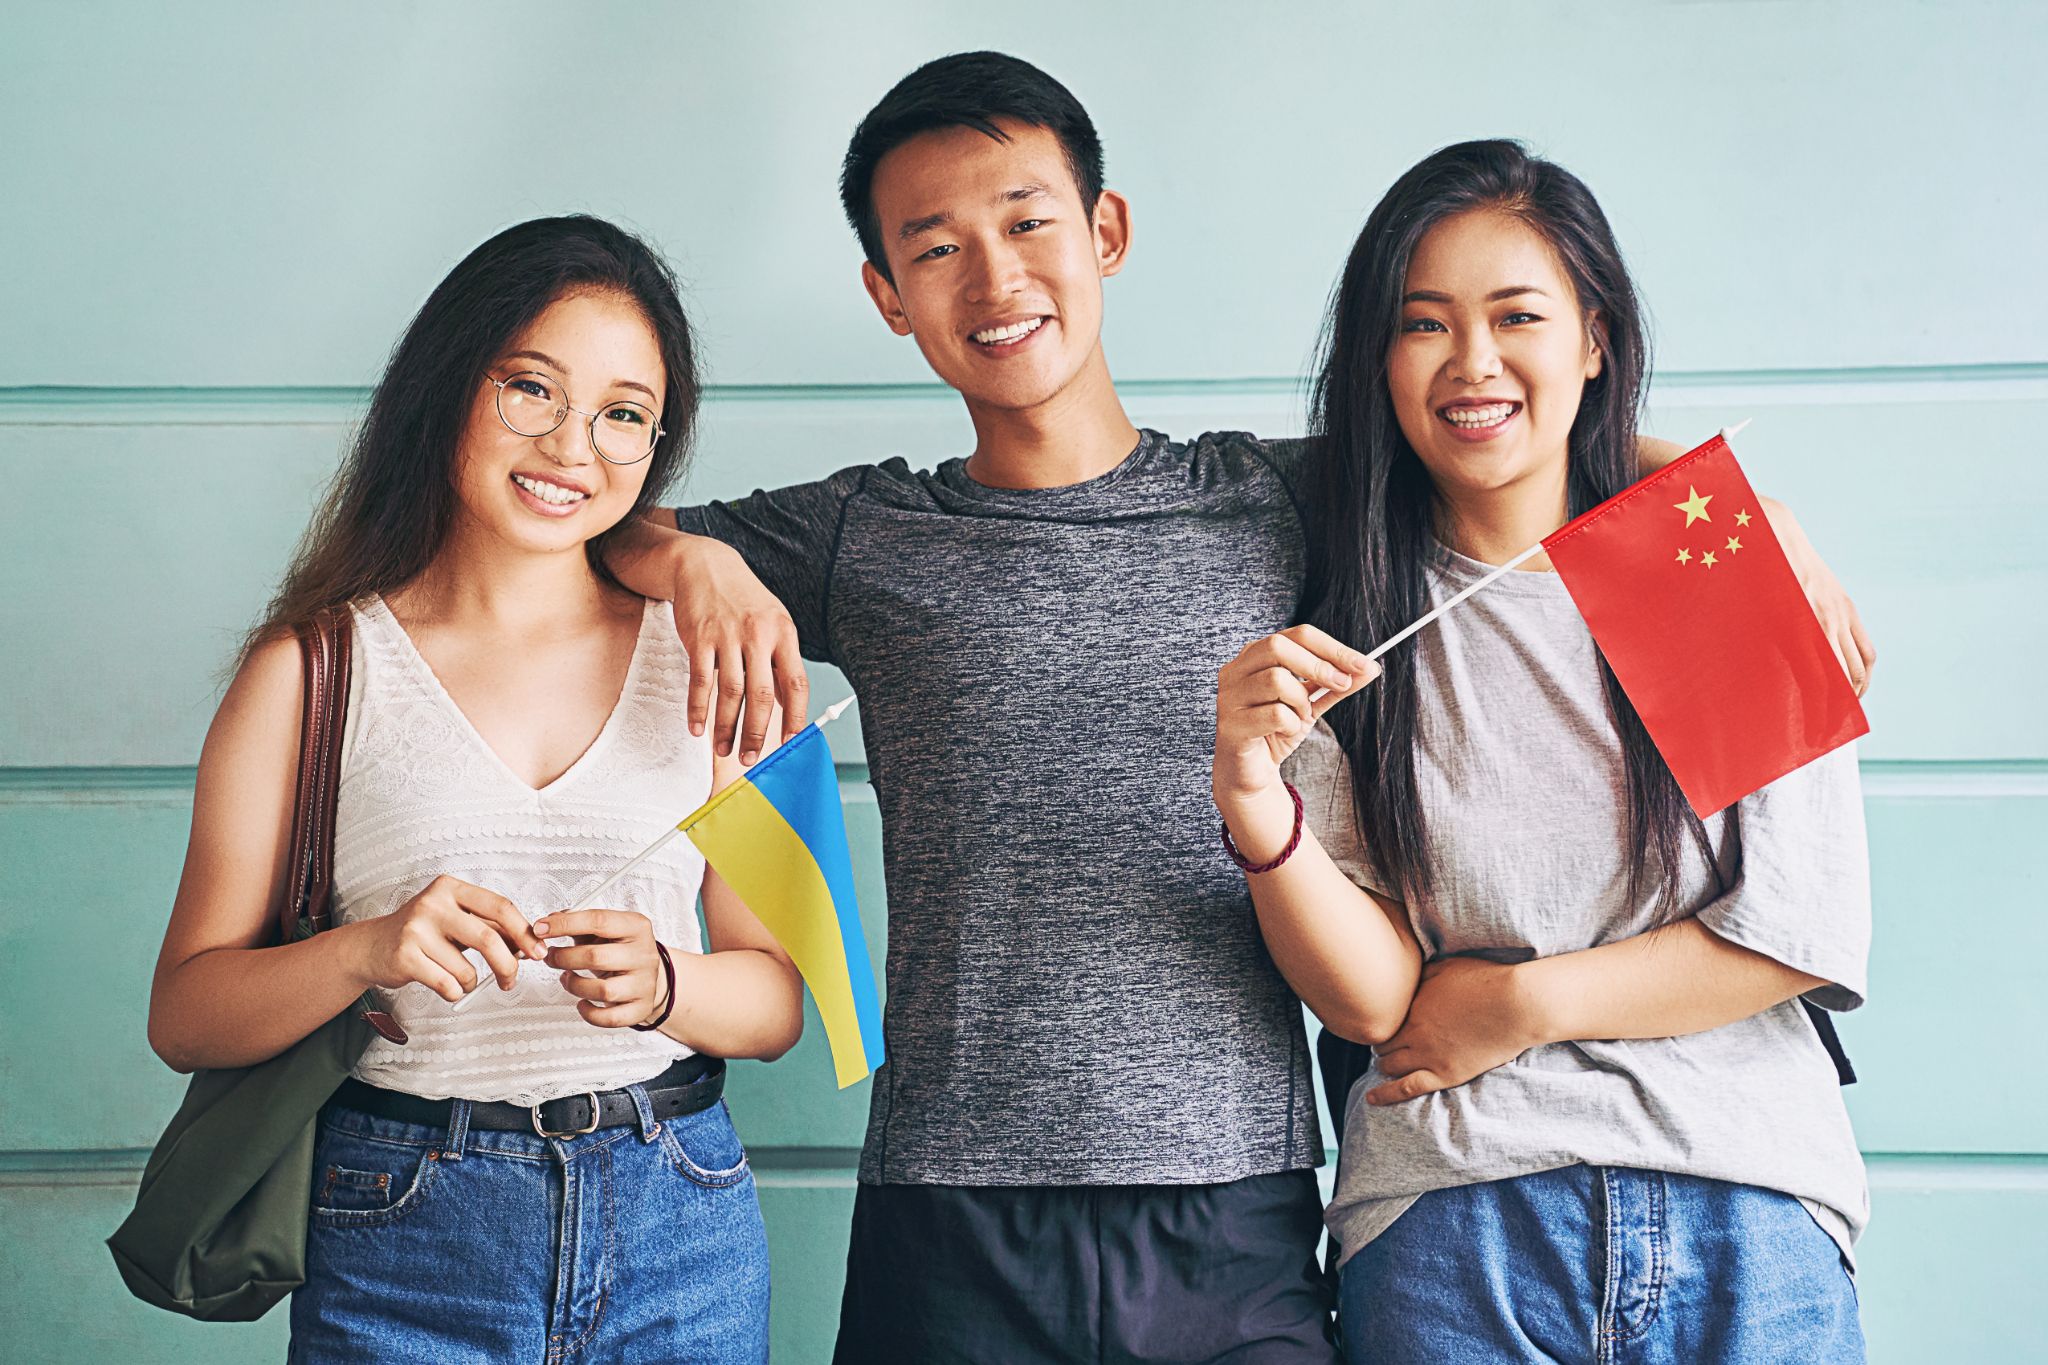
column 668, row 971
column 1294, row 842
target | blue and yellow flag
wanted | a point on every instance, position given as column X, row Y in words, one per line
column 778, row 837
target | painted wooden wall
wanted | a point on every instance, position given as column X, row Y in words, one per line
column 214, row 219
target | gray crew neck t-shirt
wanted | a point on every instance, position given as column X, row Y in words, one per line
column 1519, row 773
column 1077, row 989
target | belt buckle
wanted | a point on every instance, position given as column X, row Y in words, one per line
column 590, row 1127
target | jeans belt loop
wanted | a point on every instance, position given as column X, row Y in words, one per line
column 458, row 1130
column 643, row 1109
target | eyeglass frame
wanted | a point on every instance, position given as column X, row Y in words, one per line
column 498, row 406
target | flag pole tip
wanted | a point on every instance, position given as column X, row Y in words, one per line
column 835, row 710
column 1730, row 433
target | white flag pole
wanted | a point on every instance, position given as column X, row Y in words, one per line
column 1727, row 434
column 1414, row 626
column 584, row 902
column 832, row 713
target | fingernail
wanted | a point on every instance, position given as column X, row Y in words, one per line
column 697, row 727
column 749, row 756
column 541, row 928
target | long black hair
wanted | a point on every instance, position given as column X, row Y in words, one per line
column 388, row 511
column 1374, row 505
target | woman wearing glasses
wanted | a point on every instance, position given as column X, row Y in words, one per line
column 547, row 1168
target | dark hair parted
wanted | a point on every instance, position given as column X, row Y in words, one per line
column 965, row 90
column 1375, row 505
column 388, row 510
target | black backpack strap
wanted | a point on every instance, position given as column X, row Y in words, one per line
column 1824, row 1025
column 1342, row 1062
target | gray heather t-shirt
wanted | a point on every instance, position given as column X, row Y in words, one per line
column 1521, row 783
column 1077, row 989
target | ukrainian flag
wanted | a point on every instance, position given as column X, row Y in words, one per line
column 778, row 838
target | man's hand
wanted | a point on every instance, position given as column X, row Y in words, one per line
column 741, row 641
column 742, row 646
column 1838, row 618
column 1469, row 1016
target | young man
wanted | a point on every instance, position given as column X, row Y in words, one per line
column 1096, row 1134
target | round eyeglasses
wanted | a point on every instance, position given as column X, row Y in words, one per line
column 531, row 404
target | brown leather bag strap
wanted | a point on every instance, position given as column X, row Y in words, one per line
column 309, row 900
column 324, row 647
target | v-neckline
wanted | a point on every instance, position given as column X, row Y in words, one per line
column 611, row 720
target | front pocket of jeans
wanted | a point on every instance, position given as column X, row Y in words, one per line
column 705, row 1148
column 345, row 1191
column 363, row 1181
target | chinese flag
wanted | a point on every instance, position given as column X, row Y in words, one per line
column 1690, row 599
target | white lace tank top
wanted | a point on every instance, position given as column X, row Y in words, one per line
column 422, row 795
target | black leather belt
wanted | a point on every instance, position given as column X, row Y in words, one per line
column 690, row 1085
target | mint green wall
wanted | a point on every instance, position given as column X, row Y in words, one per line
column 215, row 219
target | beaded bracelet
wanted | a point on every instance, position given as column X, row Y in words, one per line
column 668, row 971
column 1294, row 842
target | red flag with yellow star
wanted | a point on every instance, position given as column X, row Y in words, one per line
column 1691, row 600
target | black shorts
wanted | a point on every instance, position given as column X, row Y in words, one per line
column 1011, row 1275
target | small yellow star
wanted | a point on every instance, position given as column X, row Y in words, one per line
column 1708, row 559
column 1685, row 556
column 1742, row 518
column 1734, row 543
column 1694, row 506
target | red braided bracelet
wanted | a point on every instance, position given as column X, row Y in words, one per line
column 1230, row 845
column 668, row 970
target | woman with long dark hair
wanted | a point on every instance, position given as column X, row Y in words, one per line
column 1599, row 1124
column 550, row 1170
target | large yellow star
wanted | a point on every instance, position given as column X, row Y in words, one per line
column 1685, row 556
column 1742, row 518
column 1708, row 559
column 1734, row 542
column 1694, row 506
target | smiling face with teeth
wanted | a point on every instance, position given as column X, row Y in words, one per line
column 994, row 267
column 1491, row 357
column 552, row 493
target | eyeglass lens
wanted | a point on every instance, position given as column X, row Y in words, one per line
column 532, row 405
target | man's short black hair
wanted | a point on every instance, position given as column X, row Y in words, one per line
column 965, row 90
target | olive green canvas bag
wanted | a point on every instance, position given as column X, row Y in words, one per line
column 218, row 1231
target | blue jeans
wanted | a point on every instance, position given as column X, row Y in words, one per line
column 637, row 1243
column 1600, row 1264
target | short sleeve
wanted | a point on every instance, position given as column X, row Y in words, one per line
column 1802, row 896
column 1286, row 456
column 789, row 538
column 1322, row 774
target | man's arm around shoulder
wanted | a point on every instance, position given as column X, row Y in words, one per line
column 741, row 640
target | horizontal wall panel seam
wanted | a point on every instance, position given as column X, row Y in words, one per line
column 322, row 405
column 102, row 786
column 1882, row 779
column 1986, row 779
column 802, row 1167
